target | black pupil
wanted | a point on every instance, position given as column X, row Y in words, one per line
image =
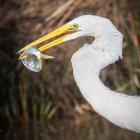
column 75, row 25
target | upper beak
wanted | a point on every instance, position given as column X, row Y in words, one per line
column 66, row 30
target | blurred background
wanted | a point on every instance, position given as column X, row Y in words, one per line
column 48, row 105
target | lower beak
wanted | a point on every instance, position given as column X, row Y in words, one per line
column 66, row 30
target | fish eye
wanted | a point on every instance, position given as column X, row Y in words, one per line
column 75, row 25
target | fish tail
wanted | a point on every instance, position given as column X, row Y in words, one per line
column 47, row 56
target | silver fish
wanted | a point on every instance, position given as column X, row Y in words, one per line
column 34, row 59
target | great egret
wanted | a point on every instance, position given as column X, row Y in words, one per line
column 120, row 109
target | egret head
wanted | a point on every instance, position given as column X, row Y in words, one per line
column 90, row 25
column 86, row 25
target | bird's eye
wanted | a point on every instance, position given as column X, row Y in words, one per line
column 75, row 25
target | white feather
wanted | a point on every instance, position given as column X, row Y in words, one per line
column 88, row 61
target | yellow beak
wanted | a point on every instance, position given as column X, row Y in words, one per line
column 66, row 30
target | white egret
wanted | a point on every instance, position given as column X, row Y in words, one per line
column 119, row 108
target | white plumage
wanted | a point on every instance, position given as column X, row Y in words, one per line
column 122, row 110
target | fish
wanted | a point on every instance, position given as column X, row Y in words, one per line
column 32, row 59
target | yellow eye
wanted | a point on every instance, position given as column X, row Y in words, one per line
column 75, row 25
